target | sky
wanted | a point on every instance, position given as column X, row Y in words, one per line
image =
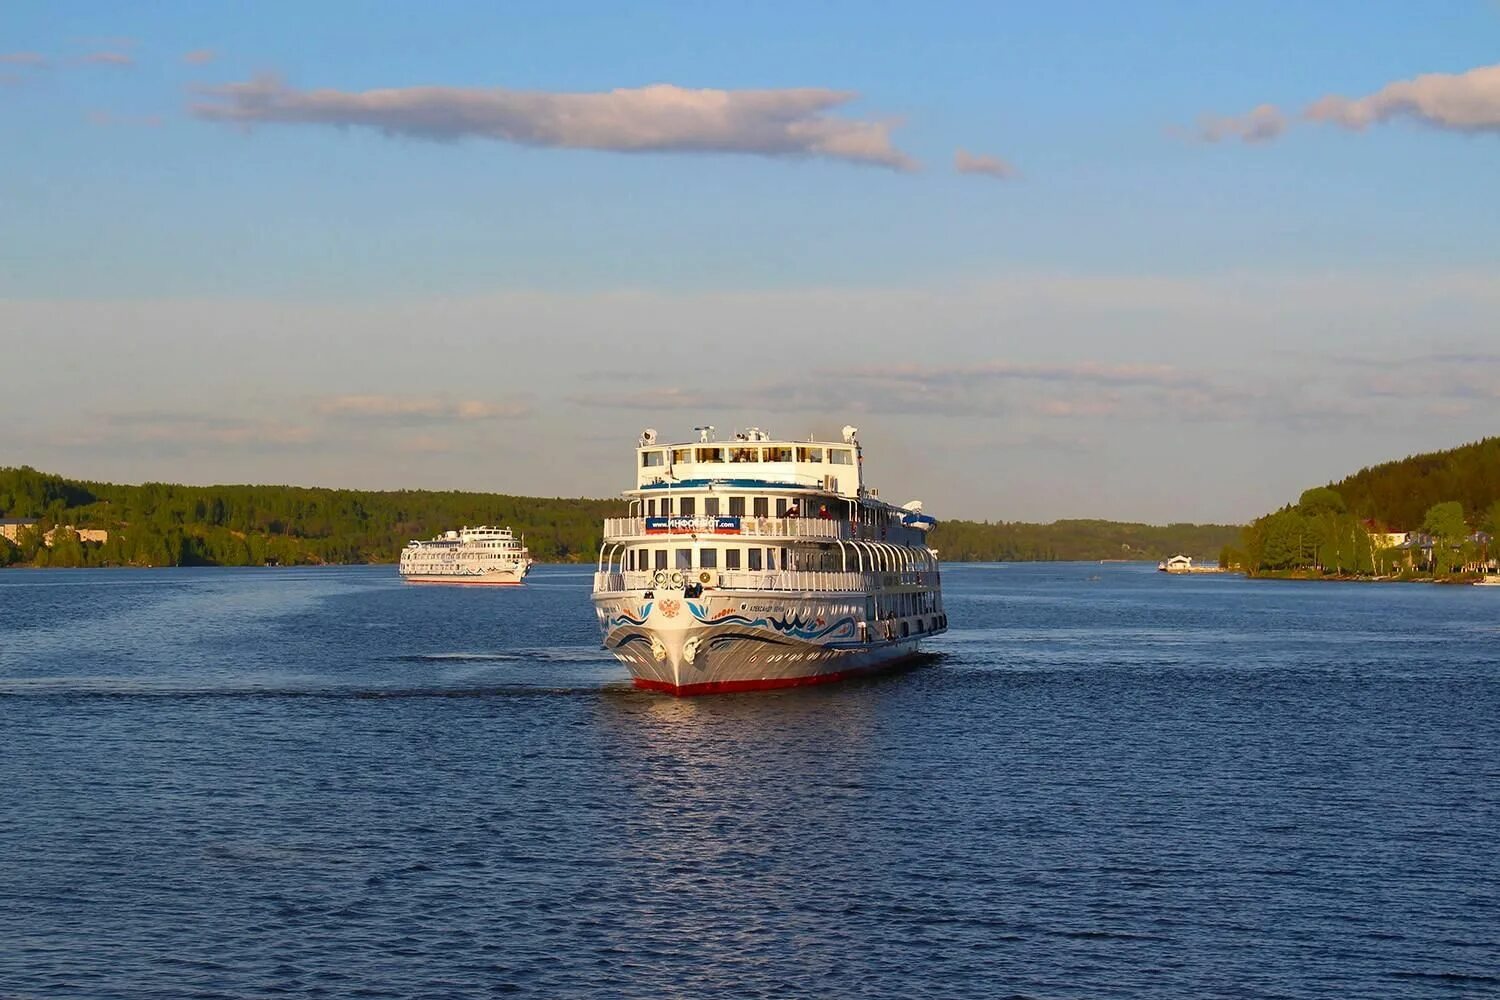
column 1152, row 261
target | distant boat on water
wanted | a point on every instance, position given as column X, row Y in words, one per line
column 1183, row 566
column 483, row 555
column 1488, row 580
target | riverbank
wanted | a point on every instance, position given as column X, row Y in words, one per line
column 1459, row 579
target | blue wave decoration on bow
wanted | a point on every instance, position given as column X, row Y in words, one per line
column 796, row 626
column 624, row 618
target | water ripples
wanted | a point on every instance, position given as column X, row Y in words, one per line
column 1125, row 789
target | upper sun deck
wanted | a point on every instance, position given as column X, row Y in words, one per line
column 752, row 457
column 466, row 535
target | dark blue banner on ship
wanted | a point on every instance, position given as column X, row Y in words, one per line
column 692, row 525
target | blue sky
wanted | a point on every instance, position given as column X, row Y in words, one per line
column 302, row 284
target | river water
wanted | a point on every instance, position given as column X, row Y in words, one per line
column 1104, row 783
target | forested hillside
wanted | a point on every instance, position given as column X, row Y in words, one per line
column 159, row 524
column 1399, row 494
column 1448, row 502
column 1006, row 541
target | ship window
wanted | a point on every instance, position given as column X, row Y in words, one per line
column 736, row 506
column 711, row 506
column 755, row 560
column 651, row 459
column 708, row 558
column 840, row 456
column 651, row 507
column 661, row 558
column 744, row 454
column 683, row 456
column 683, row 559
column 666, row 506
column 762, row 506
column 778, row 454
column 710, row 454
column 731, row 558
column 809, row 454
column 771, row 560
column 687, row 507
column 781, row 506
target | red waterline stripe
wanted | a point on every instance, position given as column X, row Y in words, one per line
column 765, row 683
column 464, row 583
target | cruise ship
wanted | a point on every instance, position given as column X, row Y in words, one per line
column 483, row 555
column 758, row 563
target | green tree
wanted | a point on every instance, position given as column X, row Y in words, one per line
column 1490, row 522
column 1287, row 541
column 30, row 542
column 67, row 549
column 1445, row 523
column 1321, row 500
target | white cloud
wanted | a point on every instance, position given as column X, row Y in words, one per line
column 1439, row 378
column 198, row 57
column 176, row 432
column 1261, row 124
column 1462, row 102
column 978, row 163
column 1081, row 372
column 1106, row 406
column 658, row 399
column 122, row 59
column 420, row 409
column 979, row 389
column 1195, row 365
column 656, row 118
column 23, row 59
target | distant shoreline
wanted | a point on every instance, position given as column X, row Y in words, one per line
column 163, row 524
column 1463, row 579
column 583, row 563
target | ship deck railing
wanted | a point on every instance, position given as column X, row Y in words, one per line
column 819, row 529
column 788, row 581
column 825, row 529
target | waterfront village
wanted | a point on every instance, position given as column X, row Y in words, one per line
column 12, row 527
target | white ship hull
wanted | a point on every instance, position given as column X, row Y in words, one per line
column 474, row 557
column 748, row 641
column 762, row 562
column 506, row 578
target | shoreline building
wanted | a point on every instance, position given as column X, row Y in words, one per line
column 10, row 528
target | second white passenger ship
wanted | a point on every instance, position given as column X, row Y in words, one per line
column 483, row 555
column 760, row 563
